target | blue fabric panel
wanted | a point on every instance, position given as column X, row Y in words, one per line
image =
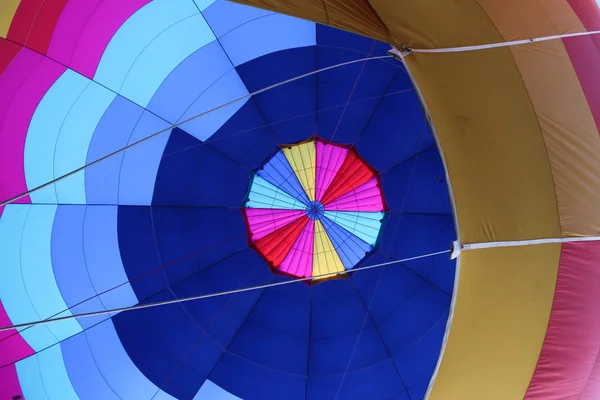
column 290, row 316
column 83, row 371
column 419, row 360
column 353, row 351
column 264, row 345
column 358, row 85
column 378, row 382
column 138, row 251
column 210, row 391
column 140, row 163
column 389, row 288
column 192, row 173
column 69, row 264
column 294, row 119
column 264, row 194
column 245, row 130
column 223, row 315
column 415, row 234
column 247, row 41
column 116, row 367
column 279, row 172
column 397, row 130
column 111, row 134
column 189, row 80
column 338, row 315
column 418, row 314
column 171, row 346
column 349, row 247
column 405, row 184
column 103, row 258
column 225, row 16
column 250, row 381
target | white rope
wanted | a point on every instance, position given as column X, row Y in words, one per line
column 210, row 295
column 503, row 44
column 60, row 178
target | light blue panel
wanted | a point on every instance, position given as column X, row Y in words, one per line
column 279, row 172
column 112, row 133
column 13, row 293
column 224, row 90
column 365, row 225
column 74, row 140
column 69, row 263
column 116, row 367
column 83, row 371
column 210, row 391
column 38, row 274
column 54, row 375
column 267, row 35
column 140, row 163
column 43, row 132
column 224, row 16
column 203, row 4
column 264, row 194
column 135, row 35
column 187, row 82
column 103, row 258
column 162, row 56
column 30, row 378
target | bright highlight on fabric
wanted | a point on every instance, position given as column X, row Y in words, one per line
column 342, row 203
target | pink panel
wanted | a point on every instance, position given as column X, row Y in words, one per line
column 568, row 363
column 329, row 161
column 22, row 86
column 84, row 30
column 9, row 383
column 366, row 197
column 299, row 260
column 12, row 346
column 264, row 221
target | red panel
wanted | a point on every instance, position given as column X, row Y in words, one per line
column 8, row 51
column 34, row 23
column 277, row 245
column 568, row 363
column 353, row 173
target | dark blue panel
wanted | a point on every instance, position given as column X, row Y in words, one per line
column 338, row 315
column 381, row 381
column 289, row 109
column 138, row 251
column 246, row 130
column 420, row 359
column 418, row 185
column 397, row 129
column 353, row 351
column 192, row 173
column 250, row 381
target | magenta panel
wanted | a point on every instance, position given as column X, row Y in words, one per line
column 264, row 221
column 366, row 197
column 329, row 161
column 299, row 260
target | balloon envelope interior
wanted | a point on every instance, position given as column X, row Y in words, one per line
column 329, row 173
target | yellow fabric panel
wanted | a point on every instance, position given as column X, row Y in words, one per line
column 502, row 309
column 325, row 258
column 8, row 8
column 303, row 160
column 568, row 127
column 491, row 141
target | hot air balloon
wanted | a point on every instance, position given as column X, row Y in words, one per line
column 333, row 199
